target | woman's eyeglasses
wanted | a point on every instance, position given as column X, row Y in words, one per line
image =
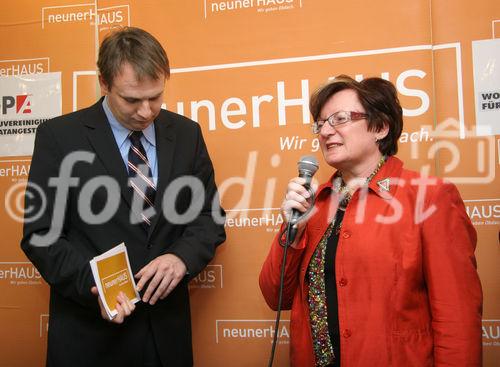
column 338, row 118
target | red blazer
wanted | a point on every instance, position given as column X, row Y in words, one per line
column 408, row 290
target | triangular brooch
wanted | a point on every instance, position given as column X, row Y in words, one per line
column 384, row 184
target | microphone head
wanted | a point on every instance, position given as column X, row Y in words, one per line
column 308, row 165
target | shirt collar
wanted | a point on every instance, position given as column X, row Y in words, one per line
column 121, row 132
column 149, row 134
column 385, row 180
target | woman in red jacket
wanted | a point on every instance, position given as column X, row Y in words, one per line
column 382, row 272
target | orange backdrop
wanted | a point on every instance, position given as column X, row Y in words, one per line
column 244, row 69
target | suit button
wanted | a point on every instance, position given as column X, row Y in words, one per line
column 346, row 333
column 149, row 245
column 343, row 282
column 346, row 234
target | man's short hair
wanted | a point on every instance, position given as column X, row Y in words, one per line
column 136, row 47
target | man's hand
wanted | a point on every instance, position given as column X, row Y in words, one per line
column 163, row 274
column 123, row 305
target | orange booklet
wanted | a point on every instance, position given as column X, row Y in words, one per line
column 112, row 275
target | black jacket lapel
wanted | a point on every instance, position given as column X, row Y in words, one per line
column 101, row 138
column 165, row 147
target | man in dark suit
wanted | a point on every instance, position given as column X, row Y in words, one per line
column 122, row 170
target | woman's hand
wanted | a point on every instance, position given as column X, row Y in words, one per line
column 297, row 197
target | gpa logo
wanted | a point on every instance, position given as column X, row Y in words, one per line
column 21, row 104
column 209, row 278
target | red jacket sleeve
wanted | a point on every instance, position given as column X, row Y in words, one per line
column 455, row 294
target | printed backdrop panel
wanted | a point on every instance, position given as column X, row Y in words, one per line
column 27, row 101
column 244, row 69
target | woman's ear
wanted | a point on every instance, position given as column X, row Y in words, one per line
column 382, row 133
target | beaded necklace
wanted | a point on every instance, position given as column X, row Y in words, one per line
column 340, row 186
column 322, row 346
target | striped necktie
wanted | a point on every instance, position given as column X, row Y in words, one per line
column 140, row 175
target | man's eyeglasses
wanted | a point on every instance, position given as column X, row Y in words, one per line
column 338, row 118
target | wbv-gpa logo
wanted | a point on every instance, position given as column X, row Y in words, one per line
column 209, row 278
column 218, row 7
column 488, row 101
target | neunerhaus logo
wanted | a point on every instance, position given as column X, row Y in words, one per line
column 86, row 13
column 263, row 220
column 261, row 6
column 19, row 274
column 231, row 331
column 491, row 333
column 484, row 213
column 14, row 170
column 23, row 68
column 209, row 278
column 117, row 279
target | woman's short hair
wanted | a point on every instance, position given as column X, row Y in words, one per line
column 136, row 47
column 378, row 97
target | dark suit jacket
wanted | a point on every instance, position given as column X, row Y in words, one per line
column 78, row 336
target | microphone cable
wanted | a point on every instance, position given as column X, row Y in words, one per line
column 286, row 244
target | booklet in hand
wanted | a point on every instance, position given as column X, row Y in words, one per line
column 112, row 275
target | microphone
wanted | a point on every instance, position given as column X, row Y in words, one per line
column 307, row 165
